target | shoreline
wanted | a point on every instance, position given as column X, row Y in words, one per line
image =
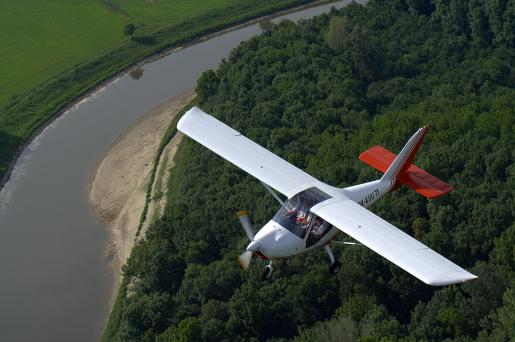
column 118, row 184
column 138, row 63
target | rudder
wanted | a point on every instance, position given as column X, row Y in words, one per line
column 403, row 161
column 399, row 169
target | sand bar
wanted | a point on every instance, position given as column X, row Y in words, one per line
column 119, row 182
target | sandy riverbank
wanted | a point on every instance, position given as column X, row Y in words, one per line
column 118, row 184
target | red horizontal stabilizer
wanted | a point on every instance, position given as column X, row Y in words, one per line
column 414, row 177
column 378, row 157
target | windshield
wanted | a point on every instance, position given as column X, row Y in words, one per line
column 295, row 214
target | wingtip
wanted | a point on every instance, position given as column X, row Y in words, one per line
column 185, row 118
column 440, row 282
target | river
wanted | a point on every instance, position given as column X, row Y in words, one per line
column 56, row 278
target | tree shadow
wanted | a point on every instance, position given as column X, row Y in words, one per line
column 111, row 6
column 144, row 40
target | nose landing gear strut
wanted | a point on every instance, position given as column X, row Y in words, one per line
column 335, row 265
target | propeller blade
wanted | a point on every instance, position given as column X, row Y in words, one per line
column 245, row 223
column 244, row 259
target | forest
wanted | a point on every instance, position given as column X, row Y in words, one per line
column 318, row 93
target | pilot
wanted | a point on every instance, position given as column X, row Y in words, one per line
column 303, row 216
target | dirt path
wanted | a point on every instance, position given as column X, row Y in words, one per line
column 119, row 182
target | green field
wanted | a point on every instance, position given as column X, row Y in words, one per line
column 53, row 51
column 41, row 38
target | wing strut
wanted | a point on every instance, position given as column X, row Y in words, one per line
column 278, row 199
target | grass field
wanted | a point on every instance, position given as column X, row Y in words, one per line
column 41, row 38
column 52, row 51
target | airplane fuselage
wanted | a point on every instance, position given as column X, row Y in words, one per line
column 275, row 240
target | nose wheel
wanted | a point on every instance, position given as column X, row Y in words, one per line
column 335, row 267
column 267, row 273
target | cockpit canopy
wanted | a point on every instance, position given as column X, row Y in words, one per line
column 295, row 214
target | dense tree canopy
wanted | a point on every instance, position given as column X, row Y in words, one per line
column 318, row 93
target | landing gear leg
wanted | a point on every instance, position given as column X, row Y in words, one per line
column 335, row 265
column 267, row 273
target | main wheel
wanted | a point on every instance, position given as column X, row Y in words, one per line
column 267, row 273
column 335, row 267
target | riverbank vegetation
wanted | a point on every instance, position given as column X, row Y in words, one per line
column 317, row 94
column 167, row 137
column 73, row 46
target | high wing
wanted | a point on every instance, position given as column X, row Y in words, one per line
column 243, row 152
column 390, row 242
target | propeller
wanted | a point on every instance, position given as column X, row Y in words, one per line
column 245, row 257
column 245, row 223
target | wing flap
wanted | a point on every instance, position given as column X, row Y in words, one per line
column 243, row 152
column 391, row 243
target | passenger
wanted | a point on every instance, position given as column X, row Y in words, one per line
column 318, row 228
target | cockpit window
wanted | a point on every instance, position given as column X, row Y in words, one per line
column 295, row 214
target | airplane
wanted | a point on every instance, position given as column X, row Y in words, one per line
column 314, row 212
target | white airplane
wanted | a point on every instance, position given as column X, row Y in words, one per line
column 315, row 212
